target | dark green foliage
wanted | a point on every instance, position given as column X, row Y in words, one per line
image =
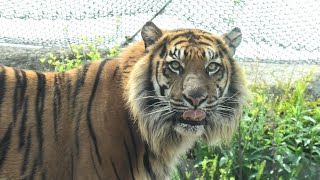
column 279, row 138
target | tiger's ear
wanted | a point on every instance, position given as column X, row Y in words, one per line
column 233, row 39
column 150, row 33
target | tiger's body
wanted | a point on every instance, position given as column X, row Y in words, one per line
column 109, row 119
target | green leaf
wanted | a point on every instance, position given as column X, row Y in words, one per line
column 99, row 40
column 316, row 128
column 286, row 167
column 261, row 169
column 306, row 142
column 308, row 118
column 42, row 60
column 222, row 161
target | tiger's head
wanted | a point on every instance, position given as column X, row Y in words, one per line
column 187, row 86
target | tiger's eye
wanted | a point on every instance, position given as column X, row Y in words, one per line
column 175, row 65
column 213, row 67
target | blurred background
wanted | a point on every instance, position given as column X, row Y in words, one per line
column 273, row 31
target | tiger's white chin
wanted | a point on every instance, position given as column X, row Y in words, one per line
column 189, row 130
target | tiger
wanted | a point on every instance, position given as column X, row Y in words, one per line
column 131, row 117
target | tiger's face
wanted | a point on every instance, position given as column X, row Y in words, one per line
column 187, row 85
column 192, row 78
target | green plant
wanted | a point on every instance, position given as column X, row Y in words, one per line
column 80, row 54
column 278, row 138
column 114, row 51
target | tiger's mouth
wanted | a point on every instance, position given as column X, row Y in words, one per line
column 191, row 123
column 192, row 117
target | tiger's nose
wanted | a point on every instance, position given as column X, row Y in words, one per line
column 195, row 99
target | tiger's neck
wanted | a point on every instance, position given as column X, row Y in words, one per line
column 105, row 135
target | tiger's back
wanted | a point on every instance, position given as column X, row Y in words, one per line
column 25, row 102
column 51, row 122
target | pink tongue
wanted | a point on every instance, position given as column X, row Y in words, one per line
column 194, row 115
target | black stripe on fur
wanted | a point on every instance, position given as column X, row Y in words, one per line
column 115, row 169
column 5, row 144
column 24, row 117
column 2, row 85
column 147, row 164
column 93, row 93
column 41, row 92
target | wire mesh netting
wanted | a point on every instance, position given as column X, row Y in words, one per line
column 273, row 31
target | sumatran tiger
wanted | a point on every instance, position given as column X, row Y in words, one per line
column 131, row 117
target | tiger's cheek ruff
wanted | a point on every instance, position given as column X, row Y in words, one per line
column 223, row 126
column 143, row 102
